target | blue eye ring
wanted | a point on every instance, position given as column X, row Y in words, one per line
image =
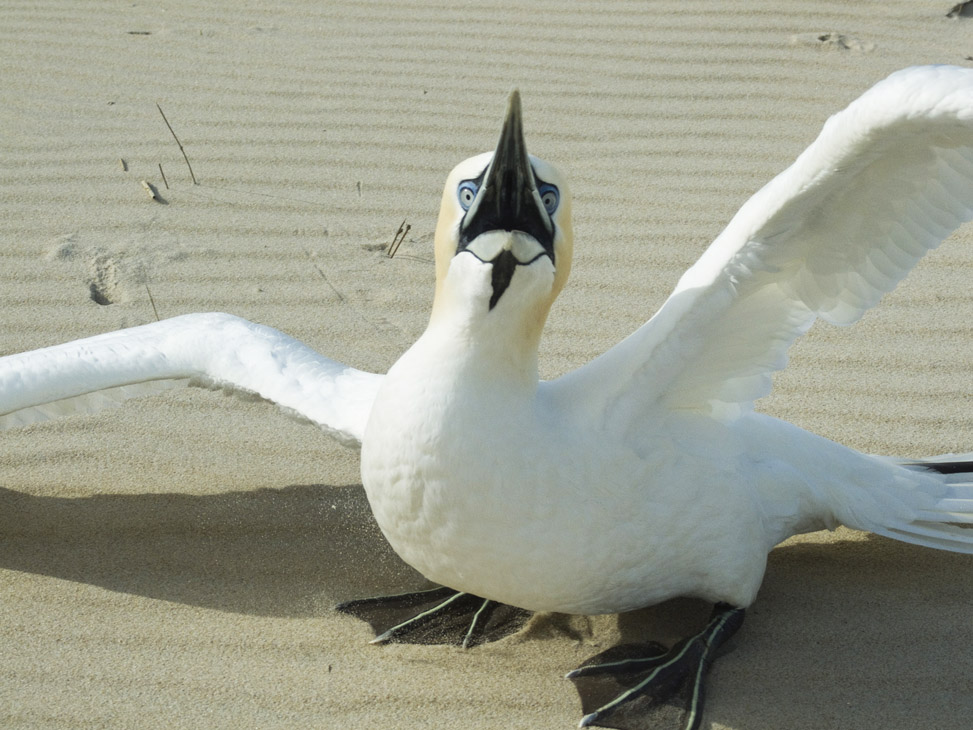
column 550, row 197
column 466, row 193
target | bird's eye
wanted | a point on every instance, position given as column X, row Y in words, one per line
column 549, row 197
column 466, row 192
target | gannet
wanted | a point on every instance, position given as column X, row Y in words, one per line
column 646, row 473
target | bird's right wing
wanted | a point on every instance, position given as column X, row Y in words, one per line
column 209, row 350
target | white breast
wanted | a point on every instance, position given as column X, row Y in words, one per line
column 481, row 486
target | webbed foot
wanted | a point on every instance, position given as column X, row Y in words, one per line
column 643, row 686
column 437, row 616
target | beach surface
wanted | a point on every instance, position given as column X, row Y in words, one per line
column 175, row 562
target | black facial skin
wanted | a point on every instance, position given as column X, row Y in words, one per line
column 508, row 206
column 504, row 266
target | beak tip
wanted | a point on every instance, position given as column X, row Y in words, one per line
column 513, row 102
column 513, row 120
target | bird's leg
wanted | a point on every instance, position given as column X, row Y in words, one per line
column 641, row 686
column 437, row 616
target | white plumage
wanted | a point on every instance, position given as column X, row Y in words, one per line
column 208, row 350
column 644, row 474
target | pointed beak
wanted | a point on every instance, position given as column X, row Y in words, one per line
column 508, row 200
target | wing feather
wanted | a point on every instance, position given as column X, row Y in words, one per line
column 886, row 181
column 209, row 350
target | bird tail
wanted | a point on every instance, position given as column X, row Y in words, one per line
column 947, row 523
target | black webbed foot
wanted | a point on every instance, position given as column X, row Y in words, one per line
column 645, row 686
column 437, row 616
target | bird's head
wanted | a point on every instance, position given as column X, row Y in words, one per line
column 503, row 241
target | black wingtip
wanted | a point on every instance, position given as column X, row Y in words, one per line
column 943, row 467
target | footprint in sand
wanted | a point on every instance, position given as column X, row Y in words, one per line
column 119, row 274
column 103, row 285
column 103, row 278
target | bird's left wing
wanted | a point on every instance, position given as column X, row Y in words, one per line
column 887, row 180
column 210, row 350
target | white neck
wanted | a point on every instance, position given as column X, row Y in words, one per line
column 490, row 344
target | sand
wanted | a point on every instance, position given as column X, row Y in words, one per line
column 174, row 563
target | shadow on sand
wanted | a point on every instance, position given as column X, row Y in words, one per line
column 289, row 552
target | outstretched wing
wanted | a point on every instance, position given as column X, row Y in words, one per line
column 210, row 350
column 886, row 181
